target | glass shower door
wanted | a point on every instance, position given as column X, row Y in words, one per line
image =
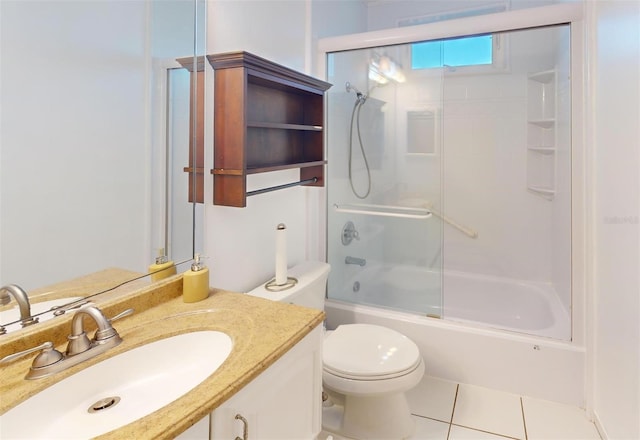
column 507, row 180
column 384, row 144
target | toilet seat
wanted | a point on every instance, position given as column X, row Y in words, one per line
column 365, row 378
column 368, row 353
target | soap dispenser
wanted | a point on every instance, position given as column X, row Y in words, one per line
column 195, row 282
column 162, row 268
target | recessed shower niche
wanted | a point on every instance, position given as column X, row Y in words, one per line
column 422, row 130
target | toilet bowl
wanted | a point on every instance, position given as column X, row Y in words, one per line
column 366, row 368
column 364, row 359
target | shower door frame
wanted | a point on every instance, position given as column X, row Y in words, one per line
column 568, row 13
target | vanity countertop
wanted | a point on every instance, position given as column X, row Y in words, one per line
column 109, row 282
column 261, row 330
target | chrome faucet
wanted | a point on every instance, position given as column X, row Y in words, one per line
column 21, row 297
column 105, row 334
column 79, row 348
column 355, row 260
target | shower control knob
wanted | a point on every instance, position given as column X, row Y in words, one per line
column 349, row 233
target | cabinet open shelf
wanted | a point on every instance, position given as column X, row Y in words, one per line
column 285, row 167
column 266, row 169
column 267, row 117
column 284, row 126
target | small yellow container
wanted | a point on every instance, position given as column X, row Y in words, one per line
column 195, row 282
column 162, row 268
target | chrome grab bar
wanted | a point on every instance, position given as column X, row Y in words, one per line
column 384, row 210
column 465, row 230
column 404, row 212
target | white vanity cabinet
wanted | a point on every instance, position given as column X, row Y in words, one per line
column 284, row 402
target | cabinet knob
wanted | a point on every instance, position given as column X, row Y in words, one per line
column 245, row 428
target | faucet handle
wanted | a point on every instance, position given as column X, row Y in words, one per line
column 349, row 232
column 122, row 314
column 77, row 344
column 48, row 356
column 109, row 332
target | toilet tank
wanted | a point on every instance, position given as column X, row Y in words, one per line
column 309, row 291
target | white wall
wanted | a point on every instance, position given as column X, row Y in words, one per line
column 485, row 181
column 615, row 105
column 387, row 14
column 240, row 242
column 74, row 168
column 331, row 18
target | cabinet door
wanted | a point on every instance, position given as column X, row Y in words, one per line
column 284, row 402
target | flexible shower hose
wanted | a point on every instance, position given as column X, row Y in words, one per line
column 355, row 114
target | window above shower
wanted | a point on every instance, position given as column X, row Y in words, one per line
column 476, row 54
column 455, row 52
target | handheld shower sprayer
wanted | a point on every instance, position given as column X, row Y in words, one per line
column 355, row 116
column 360, row 96
column 349, row 88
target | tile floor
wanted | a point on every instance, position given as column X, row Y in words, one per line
column 446, row 410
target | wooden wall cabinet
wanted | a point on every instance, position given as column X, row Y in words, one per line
column 267, row 117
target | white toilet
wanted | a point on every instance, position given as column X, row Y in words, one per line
column 366, row 368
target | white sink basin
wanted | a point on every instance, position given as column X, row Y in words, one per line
column 13, row 314
column 144, row 379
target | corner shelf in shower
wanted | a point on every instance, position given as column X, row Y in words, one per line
column 541, row 133
column 267, row 117
column 543, row 150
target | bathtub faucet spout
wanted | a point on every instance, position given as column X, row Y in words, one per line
column 355, row 260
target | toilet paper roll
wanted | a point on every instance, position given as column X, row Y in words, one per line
column 281, row 254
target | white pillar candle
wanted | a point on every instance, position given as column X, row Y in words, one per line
column 281, row 255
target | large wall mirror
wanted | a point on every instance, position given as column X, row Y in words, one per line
column 94, row 138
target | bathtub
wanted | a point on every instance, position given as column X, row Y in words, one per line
column 501, row 303
column 495, row 332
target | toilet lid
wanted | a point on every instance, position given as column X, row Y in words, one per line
column 368, row 351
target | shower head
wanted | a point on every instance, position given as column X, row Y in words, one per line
column 349, row 88
column 361, row 97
